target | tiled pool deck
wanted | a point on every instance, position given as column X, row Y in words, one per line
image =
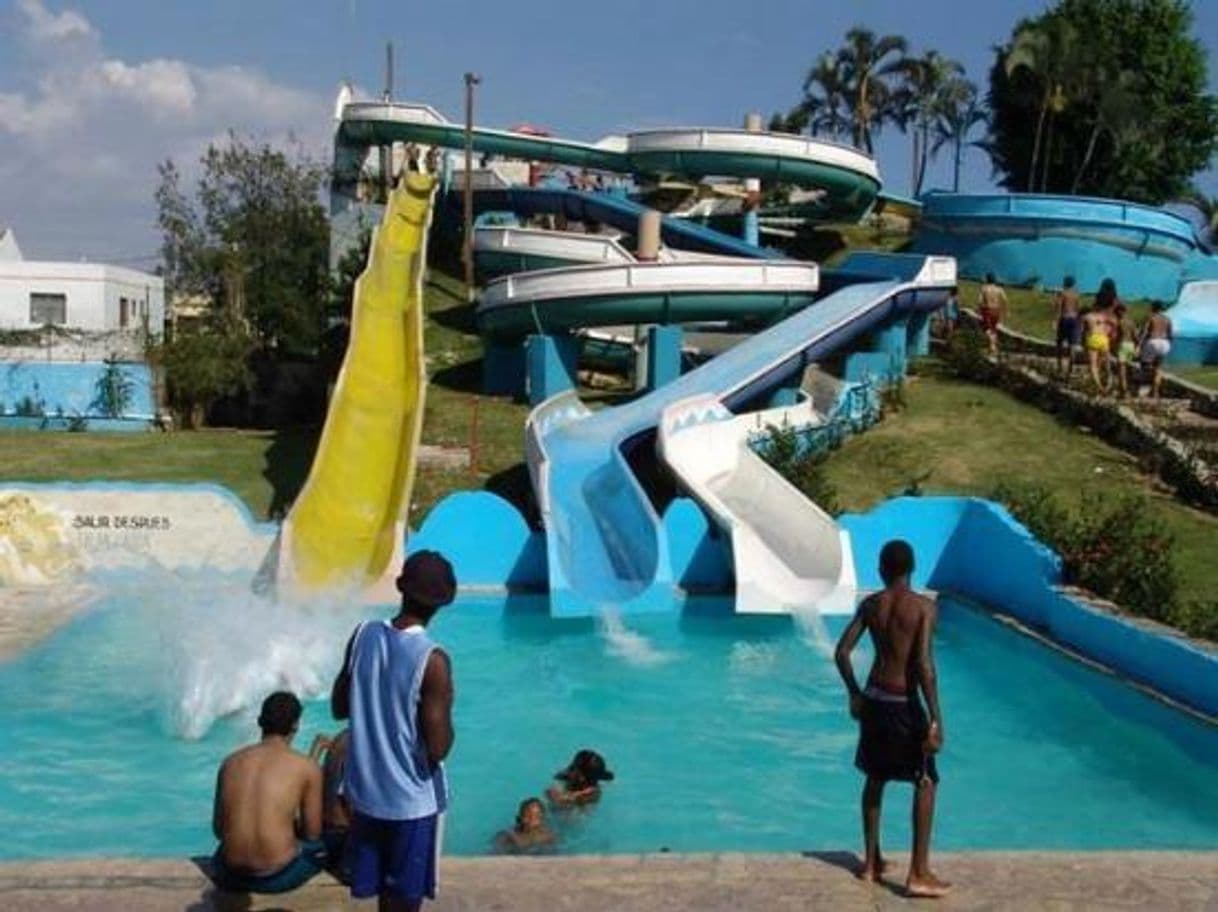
column 1162, row 881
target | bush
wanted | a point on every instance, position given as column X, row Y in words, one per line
column 113, row 391
column 202, row 365
column 966, row 355
column 1198, row 619
column 1119, row 551
column 792, row 457
column 30, row 407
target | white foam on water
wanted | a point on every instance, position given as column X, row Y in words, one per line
column 216, row 648
column 812, row 629
column 629, row 645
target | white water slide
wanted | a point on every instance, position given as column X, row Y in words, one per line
column 789, row 554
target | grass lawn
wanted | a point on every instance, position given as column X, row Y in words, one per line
column 263, row 468
column 1206, row 375
column 957, row 437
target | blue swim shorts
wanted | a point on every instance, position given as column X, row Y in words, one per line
column 292, row 875
column 395, row 857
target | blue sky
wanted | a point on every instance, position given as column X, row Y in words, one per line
column 93, row 94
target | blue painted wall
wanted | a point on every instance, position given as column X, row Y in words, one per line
column 487, row 541
column 974, row 548
column 701, row 556
column 69, row 389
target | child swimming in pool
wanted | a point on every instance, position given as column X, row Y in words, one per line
column 530, row 834
column 580, row 781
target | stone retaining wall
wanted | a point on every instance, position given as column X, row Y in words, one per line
column 1202, row 400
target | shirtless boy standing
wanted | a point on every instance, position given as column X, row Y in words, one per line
column 992, row 307
column 896, row 739
column 1066, row 305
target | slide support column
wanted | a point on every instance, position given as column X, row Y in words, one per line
column 663, row 355
column 551, row 366
column 751, row 232
column 503, row 365
column 884, row 358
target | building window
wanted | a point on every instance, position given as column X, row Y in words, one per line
column 47, row 308
column 124, row 313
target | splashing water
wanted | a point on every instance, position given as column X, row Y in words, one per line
column 209, row 647
column 629, row 645
column 812, row 629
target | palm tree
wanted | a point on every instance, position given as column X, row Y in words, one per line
column 867, row 64
column 1045, row 51
column 824, row 106
column 920, row 100
column 960, row 111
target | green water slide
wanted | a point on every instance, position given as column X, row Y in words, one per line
column 846, row 177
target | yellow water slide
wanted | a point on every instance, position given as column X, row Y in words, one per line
column 346, row 527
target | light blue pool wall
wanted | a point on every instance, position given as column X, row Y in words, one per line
column 976, row 549
column 966, row 546
column 66, row 390
column 1037, row 240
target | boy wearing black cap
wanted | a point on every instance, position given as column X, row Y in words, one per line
column 580, row 781
column 396, row 688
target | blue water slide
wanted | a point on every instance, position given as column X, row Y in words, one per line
column 604, row 541
column 1038, row 240
column 608, row 209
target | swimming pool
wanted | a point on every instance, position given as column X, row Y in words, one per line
column 725, row 733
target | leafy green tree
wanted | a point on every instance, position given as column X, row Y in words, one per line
column 203, row 364
column 253, row 239
column 1103, row 97
column 869, row 66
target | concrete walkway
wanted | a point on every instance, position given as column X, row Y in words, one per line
column 1162, row 881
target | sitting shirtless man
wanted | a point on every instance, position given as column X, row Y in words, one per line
column 896, row 740
column 267, row 798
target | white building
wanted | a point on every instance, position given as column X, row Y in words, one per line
column 85, row 296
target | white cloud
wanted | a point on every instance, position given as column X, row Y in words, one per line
column 85, row 132
column 163, row 84
column 43, row 25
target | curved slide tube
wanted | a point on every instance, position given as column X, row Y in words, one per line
column 615, row 211
column 555, row 300
column 847, row 176
column 789, row 554
column 506, row 250
column 347, row 524
column 1034, row 239
column 604, row 542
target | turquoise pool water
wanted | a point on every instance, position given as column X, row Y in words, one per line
column 725, row 733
